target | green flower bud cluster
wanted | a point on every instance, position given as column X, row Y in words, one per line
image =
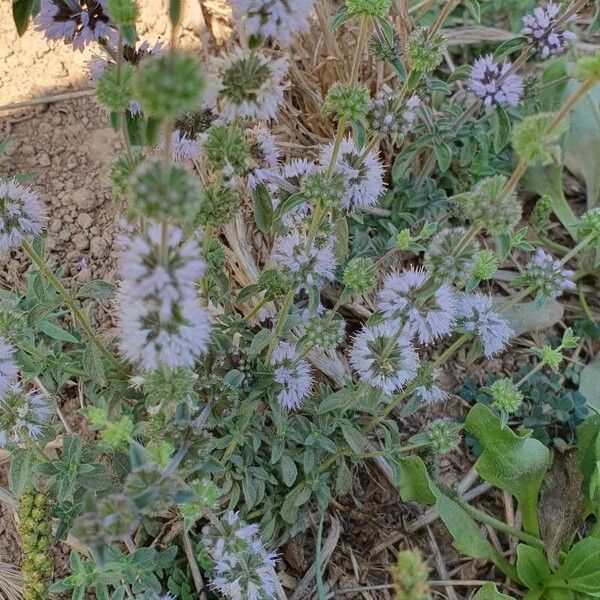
column 347, row 101
column 541, row 213
column 532, row 143
column 410, row 577
column 488, row 207
column 114, row 90
column 35, row 530
column 369, row 8
column 168, row 387
column 318, row 188
column 121, row 170
column 227, row 148
column 588, row 68
column 360, row 275
column 164, row 192
column 442, row 436
column 424, row 54
column 122, row 12
column 118, row 434
column 550, row 356
column 275, row 283
column 217, row 207
column 505, row 395
column 589, row 224
column 168, row 85
column 326, row 331
column 383, row 49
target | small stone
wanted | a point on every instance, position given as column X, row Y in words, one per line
column 84, row 199
column 81, row 241
column 44, row 160
column 85, row 221
column 99, row 248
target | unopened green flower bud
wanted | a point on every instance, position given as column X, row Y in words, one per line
column 226, row 148
column 533, row 144
column 369, row 8
column 485, row 265
column 119, row 434
column 347, row 101
column 324, row 331
column 442, row 436
column 168, row 386
column 404, row 239
column 424, row 54
column 121, row 170
column 217, row 207
column 168, row 85
column 589, row 224
column 275, row 283
column 489, row 207
column 505, row 395
column 384, row 50
column 551, row 356
column 360, row 275
column 122, row 12
column 164, row 192
column 541, row 213
column 410, row 577
column 113, row 89
column 318, row 188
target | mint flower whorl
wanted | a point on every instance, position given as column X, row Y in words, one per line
column 243, row 569
column 291, row 176
column 363, row 176
column 442, row 259
column 427, row 390
column 548, row 274
column 264, row 155
column 428, row 319
column 388, row 370
column 182, row 148
column 8, row 366
column 161, row 321
column 246, row 86
column 21, row 214
column 23, row 415
column 293, row 374
column 389, row 119
column 493, row 84
column 77, row 22
column 540, row 29
column 475, row 315
column 311, row 263
column 272, row 19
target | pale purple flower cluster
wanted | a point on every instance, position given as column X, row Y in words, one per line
column 8, row 366
column 274, row 19
column 312, row 263
column 362, row 173
column 231, row 96
column 21, row 213
column 161, row 320
column 475, row 315
column 287, row 181
column 182, row 148
column 541, row 30
column 429, row 392
column 243, row 569
column 293, row 374
column 428, row 319
column 23, row 415
column 78, row 22
column 494, row 83
column 265, row 155
column 383, row 357
column 548, row 274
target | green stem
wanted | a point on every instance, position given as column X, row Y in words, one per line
column 528, row 507
column 283, row 313
column 70, row 302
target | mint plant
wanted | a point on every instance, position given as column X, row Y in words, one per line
column 282, row 308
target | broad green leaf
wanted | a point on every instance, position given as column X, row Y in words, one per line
column 336, row 401
column 474, row 9
column 55, row 332
column 412, row 480
column 263, row 207
column 22, row 470
column 21, row 10
column 490, row 592
column 581, row 569
column 532, row 567
column 289, row 471
column 515, row 464
column 589, row 382
column 588, row 449
column 582, row 142
column 97, row 289
column 174, row 11
column 527, row 316
column 501, row 128
column 93, row 365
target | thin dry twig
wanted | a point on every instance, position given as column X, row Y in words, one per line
column 440, row 565
column 49, row 99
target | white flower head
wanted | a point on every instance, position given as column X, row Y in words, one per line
column 293, row 374
column 8, row 366
column 21, row 214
